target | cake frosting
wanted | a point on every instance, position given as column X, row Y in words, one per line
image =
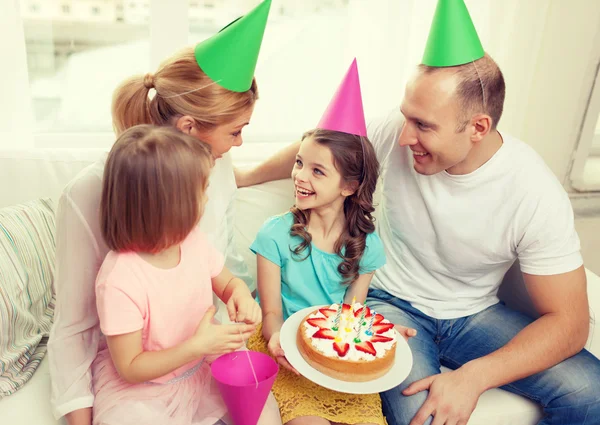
column 332, row 342
column 348, row 341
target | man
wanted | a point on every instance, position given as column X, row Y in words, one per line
column 461, row 202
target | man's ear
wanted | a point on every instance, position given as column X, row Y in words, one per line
column 350, row 188
column 481, row 125
column 185, row 124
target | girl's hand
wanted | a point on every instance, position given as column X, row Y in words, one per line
column 277, row 352
column 215, row 339
column 242, row 307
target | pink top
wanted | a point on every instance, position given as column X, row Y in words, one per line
column 75, row 338
column 166, row 304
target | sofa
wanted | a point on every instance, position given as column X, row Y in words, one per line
column 31, row 174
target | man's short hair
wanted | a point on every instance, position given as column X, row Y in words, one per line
column 480, row 89
column 153, row 180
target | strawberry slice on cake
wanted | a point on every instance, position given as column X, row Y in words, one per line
column 341, row 348
column 318, row 322
column 366, row 347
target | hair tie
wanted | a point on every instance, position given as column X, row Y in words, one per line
column 149, row 81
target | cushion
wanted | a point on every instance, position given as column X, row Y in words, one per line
column 27, row 246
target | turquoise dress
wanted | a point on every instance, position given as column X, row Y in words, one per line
column 316, row 279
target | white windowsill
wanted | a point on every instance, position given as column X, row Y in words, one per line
column 591, row 174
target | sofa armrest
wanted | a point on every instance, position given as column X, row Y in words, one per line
column 515, row 295
column 28, row 174
column 593, row 287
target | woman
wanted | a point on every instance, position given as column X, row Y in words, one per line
column 198, row 93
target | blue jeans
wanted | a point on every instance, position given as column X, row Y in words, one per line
column 569, row 392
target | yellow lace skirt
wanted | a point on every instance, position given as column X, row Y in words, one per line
column 298, row 396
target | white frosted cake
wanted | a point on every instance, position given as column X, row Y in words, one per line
column 346, row 342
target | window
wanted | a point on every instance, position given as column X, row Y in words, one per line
column 73, row 65
column 70, row 65
column 585, row 171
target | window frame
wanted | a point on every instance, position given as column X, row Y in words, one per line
column 584, row 177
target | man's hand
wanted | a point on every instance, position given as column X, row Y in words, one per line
column 405, row 332
column 451, row 400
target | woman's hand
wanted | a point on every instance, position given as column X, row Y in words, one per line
column 215, row 339
column 276, row 351
column 242, row 307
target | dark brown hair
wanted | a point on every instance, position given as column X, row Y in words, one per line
column 355, row 159
column 182, row 88
column 478, row 80
column 153, row 180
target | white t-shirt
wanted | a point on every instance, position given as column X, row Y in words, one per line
column 450, row 239
column 75, row 338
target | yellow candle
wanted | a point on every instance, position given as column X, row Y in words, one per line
column 352, row 306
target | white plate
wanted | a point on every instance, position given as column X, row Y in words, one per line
column 393, row 378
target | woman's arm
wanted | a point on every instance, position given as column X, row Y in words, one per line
column 74, row 337
column 277, row 167
column 234, row 261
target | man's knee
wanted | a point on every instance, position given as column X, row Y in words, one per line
column 399, row 409
column 574, row 383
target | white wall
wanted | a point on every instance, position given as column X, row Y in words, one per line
column 547, row 110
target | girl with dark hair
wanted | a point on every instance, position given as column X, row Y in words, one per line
column 322, row 251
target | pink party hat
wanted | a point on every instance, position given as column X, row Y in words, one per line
column 345, row 111
column 244, row 380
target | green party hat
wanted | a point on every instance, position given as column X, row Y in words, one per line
column 452, row 39
column 229, row 57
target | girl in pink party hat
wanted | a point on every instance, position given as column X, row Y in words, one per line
column 321, row 251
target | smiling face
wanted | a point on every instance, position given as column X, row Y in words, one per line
column 318, row 184
column 431, row 112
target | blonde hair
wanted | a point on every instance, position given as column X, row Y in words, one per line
column 153, row 182
column 182, row 88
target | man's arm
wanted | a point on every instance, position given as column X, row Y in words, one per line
column 558, row 334
column 277, row 167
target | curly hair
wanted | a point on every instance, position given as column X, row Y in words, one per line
column 355, row 159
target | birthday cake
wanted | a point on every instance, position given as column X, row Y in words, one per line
column 348, row 342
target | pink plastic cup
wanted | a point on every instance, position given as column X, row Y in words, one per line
column 243, row 398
